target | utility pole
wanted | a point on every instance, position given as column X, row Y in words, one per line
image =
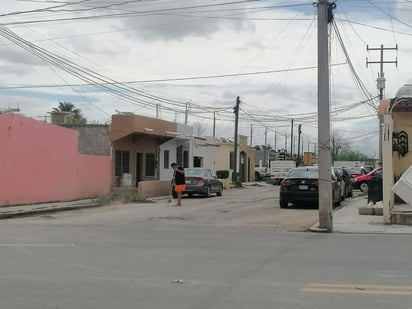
column 380, row 83
column 251, row 134
column 214, row 124
column 291, row 141
column 186, row 112
column 298, row 157
column 286, row 144
column 157, row 111
column 236, row 111
column 275, row 142
column 265, row 150
column 325, row 15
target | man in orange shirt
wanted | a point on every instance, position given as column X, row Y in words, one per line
column 179, row 182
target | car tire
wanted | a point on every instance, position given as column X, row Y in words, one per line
column 257, row 177
column 220, row 192
column 363, row 186
column 283, row 204
column 208, row 192
column 190, row 194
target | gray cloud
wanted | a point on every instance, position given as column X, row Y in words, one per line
column 182, row 23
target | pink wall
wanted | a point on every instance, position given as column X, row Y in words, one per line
column 39, row 162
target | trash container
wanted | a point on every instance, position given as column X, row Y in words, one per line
column 375, row 191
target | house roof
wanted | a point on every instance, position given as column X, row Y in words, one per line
column 124, row 125
column 403, row 100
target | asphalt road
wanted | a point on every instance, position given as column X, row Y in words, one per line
column 161, row 256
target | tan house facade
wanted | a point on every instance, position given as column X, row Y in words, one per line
column 143, row 149
column 396, row 155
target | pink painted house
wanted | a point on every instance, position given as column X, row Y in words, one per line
column 39, row 162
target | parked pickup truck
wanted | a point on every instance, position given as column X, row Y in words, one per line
column 279, row 169
column 261, row 173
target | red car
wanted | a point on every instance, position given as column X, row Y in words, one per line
column 361, row 182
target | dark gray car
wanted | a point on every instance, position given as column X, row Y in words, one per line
column 201, row 181
column 302, row 186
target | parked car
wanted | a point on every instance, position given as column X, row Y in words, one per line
column 345, row 181
column 302, row 185
column 361, row 182
column 201, row 181
column 355, row 171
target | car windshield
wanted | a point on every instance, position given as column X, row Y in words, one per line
column 194, row 172
column 304, row 173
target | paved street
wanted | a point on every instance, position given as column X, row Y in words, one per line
column 229, row 252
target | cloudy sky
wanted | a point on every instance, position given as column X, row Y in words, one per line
column 163, row 57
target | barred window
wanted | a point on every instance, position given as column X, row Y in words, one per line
column 150, row 161
column 122, row 162
column 166, row 159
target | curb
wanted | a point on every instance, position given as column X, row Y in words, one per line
column 32, row 212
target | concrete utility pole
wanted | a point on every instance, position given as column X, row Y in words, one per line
column 380, row 83
column 251, row 134
column 214, row 124
column 299, row 132
column 325, row 186
column 186, row 112
column 236, row 111
column 286, row 144
column 291, row 141
column 265, row 151
column 275, row 142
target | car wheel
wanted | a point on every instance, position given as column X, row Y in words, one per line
column 283, row 204
column 220, row 192
column 363, row 186
column 257, row 177
column 190, row 194
column 208, row 192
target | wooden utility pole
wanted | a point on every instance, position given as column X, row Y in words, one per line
column 325, row 163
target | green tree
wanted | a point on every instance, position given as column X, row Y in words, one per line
column 68, row 107
column 354, row 156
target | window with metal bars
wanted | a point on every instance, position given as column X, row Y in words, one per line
column 122, row 162
column 150, row 164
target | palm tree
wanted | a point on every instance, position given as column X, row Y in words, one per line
column 69, row 108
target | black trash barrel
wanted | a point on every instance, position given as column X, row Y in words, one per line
column 375, row 191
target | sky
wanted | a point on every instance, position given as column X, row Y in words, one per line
column 188, row 61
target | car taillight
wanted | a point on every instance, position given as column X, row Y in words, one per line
column 198, row 180
column 287, row 183
column 315, row 183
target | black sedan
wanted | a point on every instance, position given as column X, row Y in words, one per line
column 201, row 181
column 302, row 186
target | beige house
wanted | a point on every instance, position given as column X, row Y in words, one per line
column 135, row 151
column 246, row 158
column 396, row 158
column 143, row 149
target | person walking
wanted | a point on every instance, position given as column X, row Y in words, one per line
column 179, row 182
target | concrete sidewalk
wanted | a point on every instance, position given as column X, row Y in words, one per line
column 348, row 220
